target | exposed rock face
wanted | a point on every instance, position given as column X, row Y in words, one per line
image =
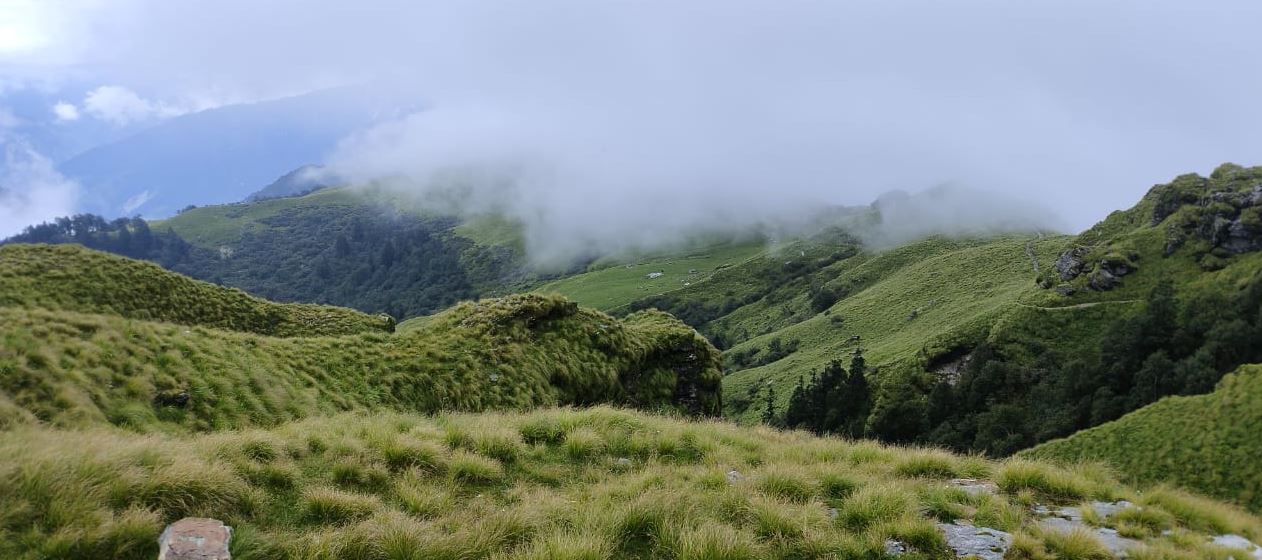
column 1103, row 275
column 1070, row 263
column 195, row 538
column 967, row 541
column 1108, row 274
column 1228, row 217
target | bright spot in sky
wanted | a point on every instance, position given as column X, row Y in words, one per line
column 18, row 32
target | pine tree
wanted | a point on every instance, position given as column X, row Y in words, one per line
column 796, row 415
column 859, row 395
column 769, row 413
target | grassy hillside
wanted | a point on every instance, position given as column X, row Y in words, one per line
column 1209, row 443
column 70, row 369
column 555, row 484
column 612, row 284
column 901, row 304
column 72, row 278
column 76, row 350
column 369, row 249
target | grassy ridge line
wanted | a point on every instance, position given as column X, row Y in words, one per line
column 957, row 292
column 220, row 225
column 72, row 278
column 554, row 484
column 75, row 370
column 1210, row 443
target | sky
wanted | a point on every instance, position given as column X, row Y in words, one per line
column 621, row 122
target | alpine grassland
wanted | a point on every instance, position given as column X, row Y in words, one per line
column 72, row 278
column 72, row 368
column 561, row 483
column 1209, row 443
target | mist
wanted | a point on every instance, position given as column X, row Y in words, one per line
column 607, row 126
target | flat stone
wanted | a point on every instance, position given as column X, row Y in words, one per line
column 1239, row 543
column 195, row 538
column 974, row 486
column 1109, row 509
column 1116, row 544
column 968, row 541
column 1070, row 513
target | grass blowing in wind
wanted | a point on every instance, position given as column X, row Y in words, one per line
column 562, row 483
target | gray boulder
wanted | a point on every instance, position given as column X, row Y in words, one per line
column 1070, row 263
column 1238, row 542
column 968, row 541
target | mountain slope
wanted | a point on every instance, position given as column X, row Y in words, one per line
column 369, row 249
column 72, row 278
column 67, row 368
column 1208, row 442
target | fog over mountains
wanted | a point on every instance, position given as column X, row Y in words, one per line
column 615, row 120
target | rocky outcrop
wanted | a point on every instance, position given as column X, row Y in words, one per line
column 195, row 538
column 1103, row 275
column 1070, row 263
column 1108, row 274
column 1069, row 519
column 969, row 541
column 1228, row 217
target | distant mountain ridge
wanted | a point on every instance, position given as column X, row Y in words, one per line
column 304, row 180
column 221, row 155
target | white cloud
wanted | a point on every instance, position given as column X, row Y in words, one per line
column 66, row 111
column 136, row 201
column 629, row 116
column 31, row 190
column 122, row 106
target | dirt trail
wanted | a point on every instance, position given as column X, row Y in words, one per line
column 1034, row 259
column 1078, row 305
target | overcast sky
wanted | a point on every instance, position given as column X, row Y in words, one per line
column 619, row 117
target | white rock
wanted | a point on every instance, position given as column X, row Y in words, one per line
column 195, row 538
column 1239, row 543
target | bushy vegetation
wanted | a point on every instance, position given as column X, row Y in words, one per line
column 72, row 278
column 66, row 361
column 1002, row 402
column 833, row 401
column 557, row 484
column 1209, row 443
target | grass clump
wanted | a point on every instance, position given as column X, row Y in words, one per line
column 786, row 485
column 1049, row 482
column 330, row 505
column 928, row 465
column 471, row 469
